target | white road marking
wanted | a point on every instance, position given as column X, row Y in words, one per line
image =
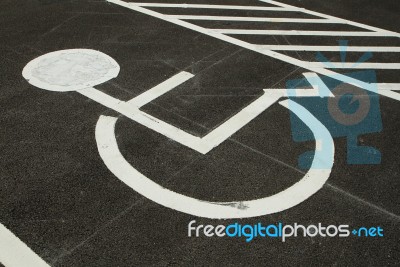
column 147, row 120
column 355, row 65
column 330, row 48
column 297, row 32
column 390, row 94
column 254, row 19
column 70, row 70
column 108, row 148
column 239, row 120
column 160, row 89
column 260, row 8
column 334, row 19
column 15, row 253
column 388, row 86
column 69, row 63
column 201, row 145
column 205, row 144
column 319, row 86
column 270, row 53
column 311, row 183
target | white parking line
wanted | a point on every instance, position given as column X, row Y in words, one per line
column 316, row 48
column 334, row 19
column 354, row 65
column 254, row 19
column 388, row 86
column 262, row 50
column 297, row 32
column 260, row 8
column 390, row 94
column 15, row 253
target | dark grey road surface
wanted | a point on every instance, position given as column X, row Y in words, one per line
column 58, row 196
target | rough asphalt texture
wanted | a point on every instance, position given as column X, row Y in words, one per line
column 62, row 201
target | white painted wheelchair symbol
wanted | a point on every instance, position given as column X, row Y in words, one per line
column 81, row 69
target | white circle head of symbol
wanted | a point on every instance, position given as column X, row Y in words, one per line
column 70, row 70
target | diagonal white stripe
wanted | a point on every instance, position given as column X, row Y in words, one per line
column 214, row 6
column 15, row 253
column 296, row 32
column 255, row 19
column 330, row 48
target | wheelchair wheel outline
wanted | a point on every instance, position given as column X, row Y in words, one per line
column 311, row 183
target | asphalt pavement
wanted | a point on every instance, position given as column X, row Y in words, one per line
column 61, row 198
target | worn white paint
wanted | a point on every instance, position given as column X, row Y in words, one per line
column 133, row 113
column 61, row 71
column 335, row 19
column 213, row 6
column 388, row 86
column 318, row 85
column 374, row 31
column 390, row 94
column 70, row 70
column 15, row 253
column 354, row 65
column 297, row 32
column 69, row 62
column 315, row 48
column 202, row 145
column 160, row 89
column 311, row 183
column 75, row 71
column 253, row 19
column 109, row 151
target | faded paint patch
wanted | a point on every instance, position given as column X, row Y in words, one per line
column 70, row 70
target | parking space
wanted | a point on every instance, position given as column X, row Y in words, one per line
column 172, row 112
